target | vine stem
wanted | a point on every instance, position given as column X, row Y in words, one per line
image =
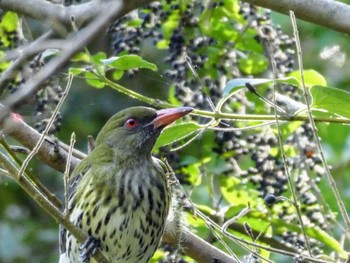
column 216, row 115
column 312, row 120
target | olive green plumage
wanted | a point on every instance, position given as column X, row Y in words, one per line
column 118, row 195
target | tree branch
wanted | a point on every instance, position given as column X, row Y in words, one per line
column 108, row 11
column 197, row 248
column 329, row 13
column 59, row 16
column 21, row 55
column 14, row 126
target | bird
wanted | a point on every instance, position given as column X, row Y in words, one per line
column 119, row 195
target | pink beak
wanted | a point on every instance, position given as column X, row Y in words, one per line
column 167, row 116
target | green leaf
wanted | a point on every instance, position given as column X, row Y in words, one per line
column 331, row 100
column 8, row 24
column 170, row 24
column 81, row 57
column 236, row 193
column 247, row 42
column 117, row 74
column 218, row 165
column 172, row 96
column 9, row 21
column 93, row 80
column 162, row 44
column 237, row 84
column 99, row 57
column 176, row 132
column 128, row 62
column 254, row 63
column 135, row 22
column 76, row 71
column 192, row 173
column 210, row 23
column 311, row 78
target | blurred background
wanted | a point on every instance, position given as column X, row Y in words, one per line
column 28, row 234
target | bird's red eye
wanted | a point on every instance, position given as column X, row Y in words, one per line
column 131, row 123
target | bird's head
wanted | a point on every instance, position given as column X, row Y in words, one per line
column 135, row 130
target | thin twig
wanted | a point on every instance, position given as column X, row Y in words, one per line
column 242, row 213
column 5, row 172
column 216, row 115
column 231, row 129
column 23, row 55
column 66, row 174
column 284, row 158
column 253, row 90
column 47, row 128
column 32, row 178
column 331, row 181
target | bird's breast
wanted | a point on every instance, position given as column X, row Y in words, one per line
column 126, row 210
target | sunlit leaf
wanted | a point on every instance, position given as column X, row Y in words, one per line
column 81, row 57
column 236, row 84
column 218, row 165
column 117, row 74
column 162, row 44
column 170, row 24
column 9, row 21
column 330, row 99
column 254, row 63
column 127, row 62
column 76, row 71
column 176, row 132
column 311, row 77
column 99, row 57
column 93, row 80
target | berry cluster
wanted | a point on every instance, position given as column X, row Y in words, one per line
column 46, row 99
column 200, row 62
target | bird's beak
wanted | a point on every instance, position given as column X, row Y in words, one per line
column 167, row 116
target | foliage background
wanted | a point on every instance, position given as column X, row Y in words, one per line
column 28, row 234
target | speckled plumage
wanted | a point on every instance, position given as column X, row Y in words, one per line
column 118, row 194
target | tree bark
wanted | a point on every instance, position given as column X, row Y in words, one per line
column 328, row 13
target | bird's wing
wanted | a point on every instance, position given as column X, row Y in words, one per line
column 74, row 180
column 62, row 239
column 78, row 173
